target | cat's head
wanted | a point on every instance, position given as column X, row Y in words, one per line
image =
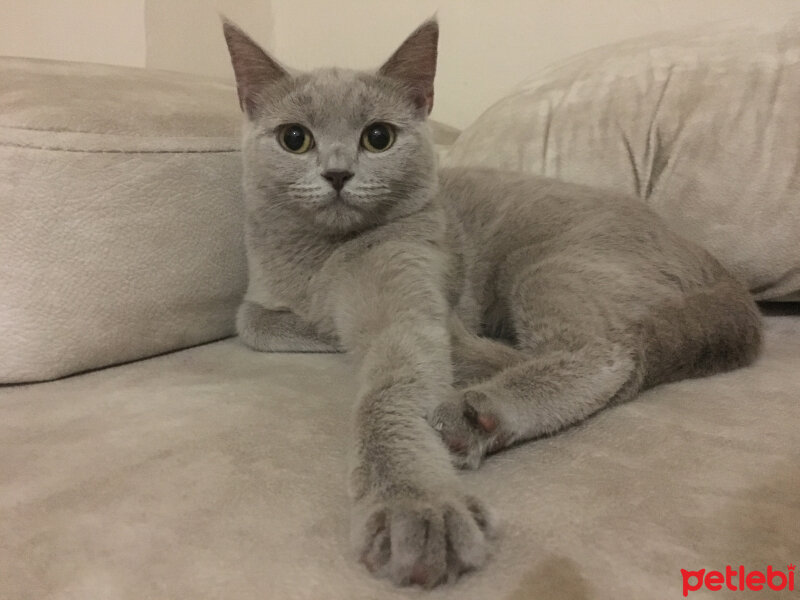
column 339, row 149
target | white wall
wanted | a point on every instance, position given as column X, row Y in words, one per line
column 104, row 31
column 486, row 46
column 181, row 35
column 186, row 35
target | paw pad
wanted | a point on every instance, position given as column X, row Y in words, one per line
column 483, row 420
column 423, row 540
column 470, row 427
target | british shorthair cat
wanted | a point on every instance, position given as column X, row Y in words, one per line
column 483, row 308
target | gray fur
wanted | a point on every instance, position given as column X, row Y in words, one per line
column 589, row 297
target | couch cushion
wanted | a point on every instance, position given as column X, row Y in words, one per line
column 218, row 472
column 702, row 125
column 120, row 234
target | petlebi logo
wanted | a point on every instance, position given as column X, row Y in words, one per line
column 738, row 579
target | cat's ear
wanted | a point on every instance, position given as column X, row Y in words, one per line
column 254, row 68
column 414, row 64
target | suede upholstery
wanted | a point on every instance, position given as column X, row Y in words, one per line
column 218, row 472
column 121, row 230
column 702, row 125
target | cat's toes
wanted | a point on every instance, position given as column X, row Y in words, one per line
column 470, row 427
column 425, row 542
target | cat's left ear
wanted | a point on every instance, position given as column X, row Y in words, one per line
column 414, row 64
column 254, row 68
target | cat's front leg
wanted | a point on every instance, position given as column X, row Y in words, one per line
column 279, row 331
column 412, row 521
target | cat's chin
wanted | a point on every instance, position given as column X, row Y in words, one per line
column 338, row 218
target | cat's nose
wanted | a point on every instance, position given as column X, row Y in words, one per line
column 337, row 178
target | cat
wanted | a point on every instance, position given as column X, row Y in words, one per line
column 483, row 308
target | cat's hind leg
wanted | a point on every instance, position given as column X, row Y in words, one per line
column 476, row 358
column 576, row 363
column 549, row 392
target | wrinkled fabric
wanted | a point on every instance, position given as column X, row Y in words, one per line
column 703, row 125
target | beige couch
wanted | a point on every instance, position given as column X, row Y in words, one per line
column 218, row 472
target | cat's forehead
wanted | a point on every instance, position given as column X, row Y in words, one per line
column 342, row 98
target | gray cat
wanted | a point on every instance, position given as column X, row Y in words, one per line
column 483, row 308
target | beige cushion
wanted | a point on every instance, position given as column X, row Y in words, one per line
column 121, row 215
column 219, row 473
column 703, row 125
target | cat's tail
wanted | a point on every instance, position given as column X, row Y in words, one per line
column 711, row 330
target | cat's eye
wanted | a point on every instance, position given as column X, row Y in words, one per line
column 295, row 138
column 378, row 137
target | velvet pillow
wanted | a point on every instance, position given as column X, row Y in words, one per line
column 703, row 125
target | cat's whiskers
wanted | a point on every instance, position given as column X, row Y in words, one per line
column 307, row 191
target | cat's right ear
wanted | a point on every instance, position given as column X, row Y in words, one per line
column 255, row 70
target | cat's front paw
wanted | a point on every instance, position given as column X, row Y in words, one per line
column 423, row 539
column 471, row 427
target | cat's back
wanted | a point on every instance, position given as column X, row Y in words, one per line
column 535, row 203
column 502, row 211
column 528, row 208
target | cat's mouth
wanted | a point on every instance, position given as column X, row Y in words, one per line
column 344, row 212
column 344, row 199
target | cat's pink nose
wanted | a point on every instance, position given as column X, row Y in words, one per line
column 337, row 178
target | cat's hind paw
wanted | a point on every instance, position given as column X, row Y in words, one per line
column 422, row 540
column 470, row 428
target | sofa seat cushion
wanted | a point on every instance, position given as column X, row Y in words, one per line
column 121, row 220
column 218, row 472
